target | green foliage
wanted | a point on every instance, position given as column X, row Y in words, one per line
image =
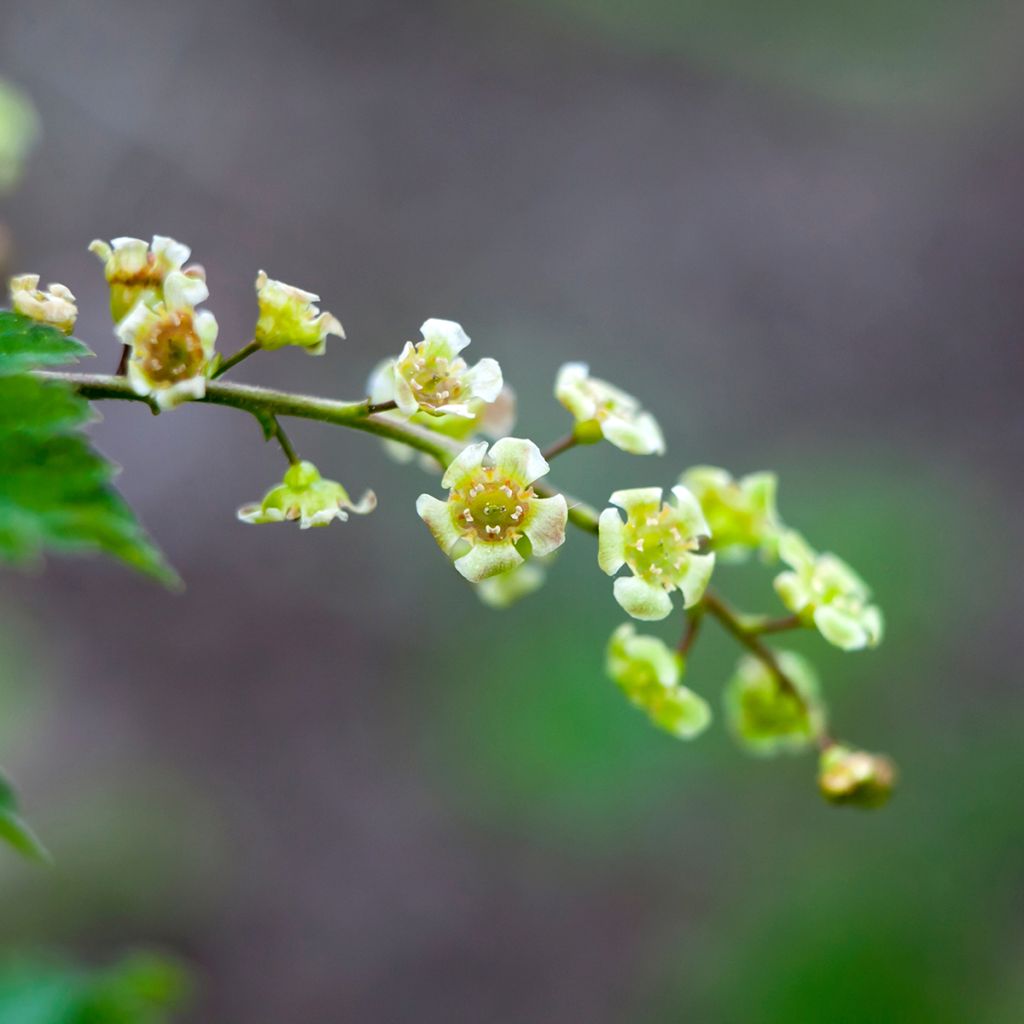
column 15, row 832
column 55, row 488
column 141, row 989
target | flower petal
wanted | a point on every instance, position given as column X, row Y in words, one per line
column 449, row 333
column 484, row 380
column 467, row 462
column 695, row 578
column 681, row 712
column 545, row 524
column 366, row 504
column 840, row 628
column 611, row 542
column 436, row 515
column 484, row 560
column 570, row 392
column 690, row 512
column 518, row 458
column 638, row 436
column 636, row 497
column 642, row 600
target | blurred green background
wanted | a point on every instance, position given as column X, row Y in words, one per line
column 329, row 784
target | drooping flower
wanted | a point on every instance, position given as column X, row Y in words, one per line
column 54, row 306
column 136, row 271
column 855, row 777
column 289, row 316
column 430, row 376
column 764, row 715
column 603, row 410
column 741, row 513
column 649, row 674
column 511, row 586
column 662, row 545
column 171, row 343
column 305, row 496
column 491, row 508
column 824, row 591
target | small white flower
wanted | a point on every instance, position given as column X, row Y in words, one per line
column 492, row 507
column 430, row 376
column 136, row 271
column 305, row 496
column 601, row 408
column 55, row 306
column 289, row 316
column 172, row 344
column 660, row 544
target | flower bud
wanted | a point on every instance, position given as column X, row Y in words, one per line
column 855, row 777
column 55, row 306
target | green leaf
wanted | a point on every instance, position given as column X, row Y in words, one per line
column 55, row 488
column 15, row 831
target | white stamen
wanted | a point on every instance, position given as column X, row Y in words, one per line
column 639, row 545
column 493, row 531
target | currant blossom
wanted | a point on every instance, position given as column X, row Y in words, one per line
column 824, row 591
column 649, row 674
column 603, row 410
column 855, row 777
column 171, row 343
column 491, row 507
column 54, row 306
column 661, row 544
column 304, row 495
column 289, row 316
column 136, row 271
column 430, row 376
column 741, row 513
column 766, row 717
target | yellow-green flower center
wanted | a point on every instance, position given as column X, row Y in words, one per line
column 490, row 507
column 173, row 352
column 657, row 548
column 435, row 380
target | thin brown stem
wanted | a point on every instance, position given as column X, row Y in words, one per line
column 561, row 445
column 782, row 624
column 375, row 407
column 694, row 618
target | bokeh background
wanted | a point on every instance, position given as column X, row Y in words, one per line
column 329, row 780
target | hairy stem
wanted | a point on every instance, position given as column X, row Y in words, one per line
column 243, row 353
column 284, row 441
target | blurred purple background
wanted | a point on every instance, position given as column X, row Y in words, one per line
column 327, row 776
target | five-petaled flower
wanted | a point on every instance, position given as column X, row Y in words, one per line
column 855, row 777
column 171, row 343
column 432, row 377
column 649, row 674
column 136, row 271
column 766, row 716
column 289, row 316
column 741, row 513
column 491, row 508
column 54, row 306
column 825, row 592
column 662, row 545
column 603, row 410
column 305, row 496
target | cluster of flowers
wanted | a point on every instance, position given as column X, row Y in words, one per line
column 498, row 520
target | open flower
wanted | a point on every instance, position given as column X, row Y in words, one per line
column 764, row 715
column 491, row 508
column 649, row 674
column 171, row 343
column 136, row 271
column 824, row 591
column 661, row 544
column 289, row 316
column 741, row 513
column 54, row 306
column 855, row 777
column 304, row 495
column 430, row 376
column 602, row 410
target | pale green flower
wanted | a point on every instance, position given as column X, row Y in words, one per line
column 741, row 513
column 767, row 718
column 855, row 777
column 171, row 343
column 649, row 674
column 603, row 410
column 511, row 586
column 661, row 544
column 305, row 496
column 491, row 508
column 19, row 130
column 430, row 376
column 823, row 590
column 136, row 272
column 289, row 316
column 55, row 306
